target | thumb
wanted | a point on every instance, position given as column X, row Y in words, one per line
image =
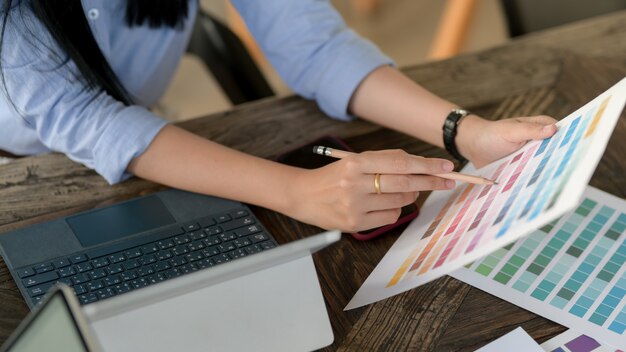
column 525, row 131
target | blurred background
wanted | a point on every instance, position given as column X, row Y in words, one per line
column 409, row 31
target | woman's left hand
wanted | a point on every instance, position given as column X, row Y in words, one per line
column 482, row 141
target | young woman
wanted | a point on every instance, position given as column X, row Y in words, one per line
column 78, row 77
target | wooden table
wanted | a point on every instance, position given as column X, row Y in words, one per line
column 553, row 72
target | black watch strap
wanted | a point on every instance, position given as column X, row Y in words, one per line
column 449, row 132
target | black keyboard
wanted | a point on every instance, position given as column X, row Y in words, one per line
column 138, row 262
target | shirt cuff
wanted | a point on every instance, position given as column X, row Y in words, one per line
column 128, row 136
column 357, row 59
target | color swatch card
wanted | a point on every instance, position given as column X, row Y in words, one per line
column 536, row 184
column 572, row 341
column 571, row 271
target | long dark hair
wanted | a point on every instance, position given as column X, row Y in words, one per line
column 66, row 22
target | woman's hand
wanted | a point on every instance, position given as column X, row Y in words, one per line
column 482, row 141
column 342, row 195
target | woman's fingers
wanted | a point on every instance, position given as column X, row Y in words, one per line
column 533, row 127
column 397, row 162
column 375, row 202
column 411, row 183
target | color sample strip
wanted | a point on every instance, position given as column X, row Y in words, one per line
column 572, row 270
column 573, row 341
column 591, row 260
column 546, row 159
column 598, row 116
column 570, row 256
column 582, row 343
column 517, row 260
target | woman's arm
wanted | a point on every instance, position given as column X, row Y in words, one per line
column 389, row 98
column 340, row 195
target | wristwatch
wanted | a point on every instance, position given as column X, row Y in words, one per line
column 449, row 132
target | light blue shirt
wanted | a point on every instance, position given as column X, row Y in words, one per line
column 306, row 41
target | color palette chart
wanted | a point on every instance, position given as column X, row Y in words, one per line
column 570, row 271
column 572, row 341
column 459, row 226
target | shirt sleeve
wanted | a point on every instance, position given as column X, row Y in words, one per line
column 311, row 47
column 87, row 125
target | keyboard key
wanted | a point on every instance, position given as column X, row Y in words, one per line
column 176, row 261
column 242, row 242
column 212, row 231
column 128, row 275
column 223, row 218
column 236, row 254
column 220, row 258
column 259, row 237
column 239, row 214
column 191, row 227
column 160, row 266
column 65, row 272
column 247, row 230
column 144, row 271
column 83, row 267
column 61, row 263
column 95, row 285
column 162, row 255
column 80, row 279
column 182, row 239
column 197, row 235
column 122, row 288
column 106, row 293
column 180, row 250
column 41, row 278
column 150, row 259
column 131, row 264
column 100, row 262
column 172, row 273
column 79, row 289
column 112, row 280
column 25, row 272
column 88, row 298
column 212, row 241
column 165, row 244
column 231, row 225
column 255, row 248
column 187, row 268
column 204, row 263
column 154, row 278
column 211, row 252
column 268, row 245
column 78, row 258
column 192, row 257
column 66, row 280
column 227, row 236
column 117, row 257
column 139, row 283
column 133, row 253
column 227, row 246
column 114, row 269
column 43, row 268
column 97, row 274
column 40, row 290
column 150, row 248
column 195, row 246
column 206, row 221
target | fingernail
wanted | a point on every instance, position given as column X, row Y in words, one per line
column 450, row 183
column 548, row 128
column 447, row 166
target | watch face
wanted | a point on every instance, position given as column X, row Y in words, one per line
column 461, row 112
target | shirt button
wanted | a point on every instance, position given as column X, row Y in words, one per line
column 93, row 14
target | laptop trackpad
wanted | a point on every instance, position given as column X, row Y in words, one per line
column 276, row 309
column 120, row 220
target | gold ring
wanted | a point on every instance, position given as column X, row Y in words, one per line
column 377, row 183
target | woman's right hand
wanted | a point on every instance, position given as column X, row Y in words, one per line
column 342, row 195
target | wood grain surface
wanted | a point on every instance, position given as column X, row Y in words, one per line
column 552, row 72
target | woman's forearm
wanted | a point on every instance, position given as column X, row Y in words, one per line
column 183, row 160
